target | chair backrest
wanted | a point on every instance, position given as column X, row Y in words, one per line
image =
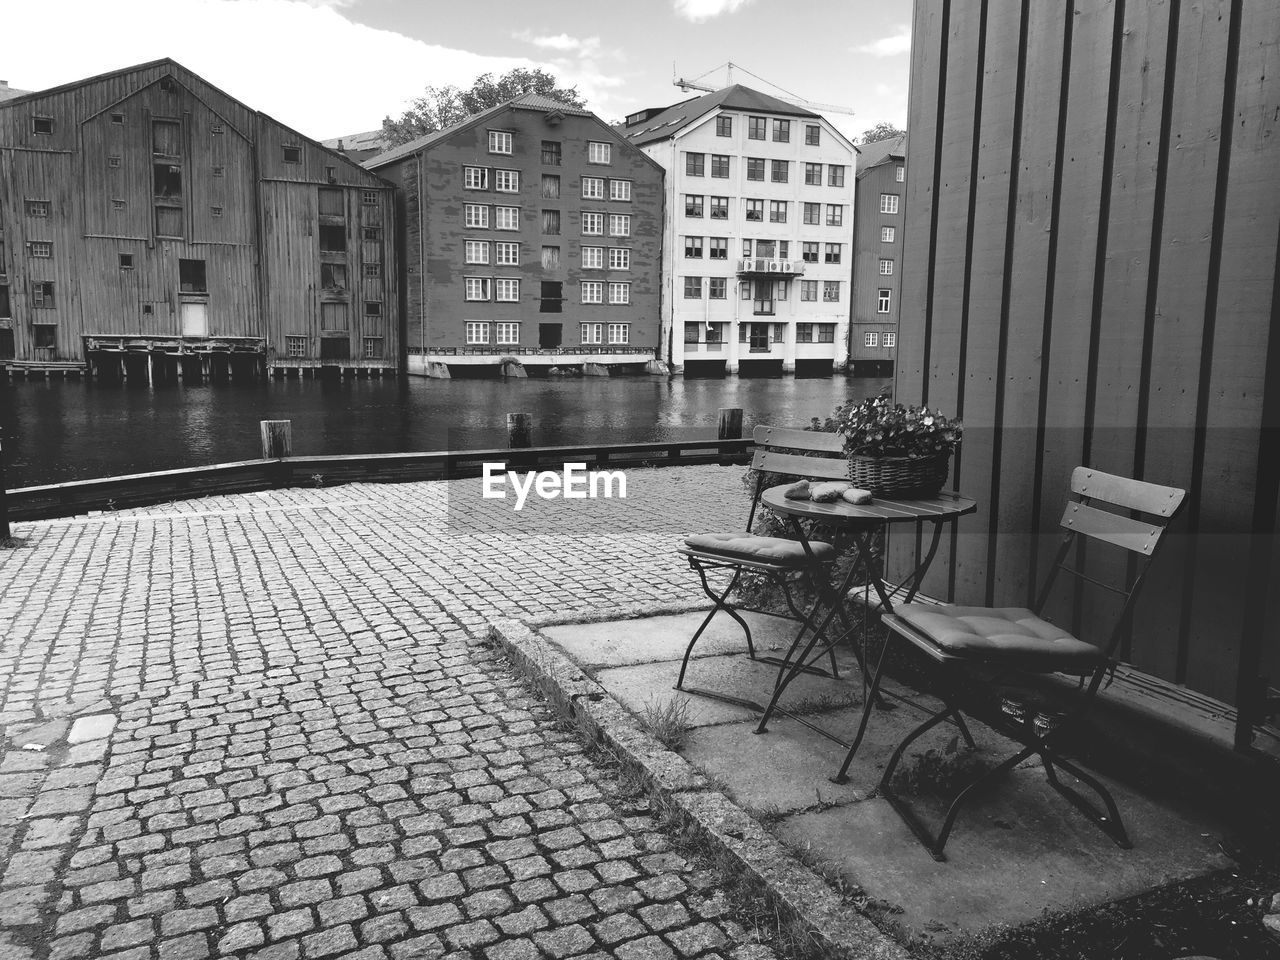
column 810, row 454
column 1140, row 535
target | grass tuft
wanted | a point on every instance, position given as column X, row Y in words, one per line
column 667, row 722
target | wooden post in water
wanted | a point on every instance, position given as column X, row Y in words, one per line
column 730, row 423
column 519, row 430
column 5, row 533
column 277, row 439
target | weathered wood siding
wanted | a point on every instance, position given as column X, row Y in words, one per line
column 1092, row 239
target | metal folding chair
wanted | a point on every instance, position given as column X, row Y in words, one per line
column 810, row 455
column 974, row 648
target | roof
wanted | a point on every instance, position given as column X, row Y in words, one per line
column 526, row 101
column 8, row 93
column 676, row 117
column 369, row 140
column 874, row 154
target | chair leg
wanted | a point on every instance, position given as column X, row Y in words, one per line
column 786, row 592
column 719, row 605
column 791, row 668
column 873, row 695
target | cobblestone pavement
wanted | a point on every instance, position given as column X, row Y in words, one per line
column 315, row 755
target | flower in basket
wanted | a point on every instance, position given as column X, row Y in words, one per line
column 895, row 449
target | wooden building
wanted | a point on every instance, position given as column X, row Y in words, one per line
column 152, row 225
column 877, row 256
column 531, row 230
column 1093, row 217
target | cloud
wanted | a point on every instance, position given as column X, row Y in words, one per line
column 702, row 10
column 583, row 62
column 559, row 41
column 891, row 46
column 269, row 53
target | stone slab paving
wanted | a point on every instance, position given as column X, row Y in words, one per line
column 314, row 753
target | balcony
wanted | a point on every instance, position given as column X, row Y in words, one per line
column 778, row 268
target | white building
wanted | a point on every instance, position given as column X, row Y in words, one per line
column 758, row 243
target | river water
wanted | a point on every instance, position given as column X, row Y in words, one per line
column 59, row 430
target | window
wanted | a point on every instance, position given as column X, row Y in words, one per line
column 373, row 271
column 592, row 332
column 218, row 171
column 724, row 126
column 113, row 162
column 369, row 198
column 292, row 154
column 506, row 181
column 373, row 348
column 692, row 205
column 830, row 291
column 693, row 288
column 167, row 180
column 619, row 224
column 506, row 218
column 871, row 339
column 592, row 291
column 779, row 171
column 887, row 234
column 695, row 164
column 592, row 188
column 477, row 251
column 619, row 258
column 126, row 261
column 295, row 346
column 746, row 290
column 755, row 128
column 826, row 333
column 593, row 224
column 475, row 178
column 719, row 249
column 215, row 211
column 813, row 174
column 835, row 175
column 755, row 168
column 477, row 288
column 777, row 211
column 40, row 250
column 499, row 141
column 746, row 248
column 331, row 174
column 46, row 336
column 475, row 215
column 507, row 254
column 333, row 276
column 619, row 293
column 551, row 153
column 899, row 174
column 809, row 252
column 809, row 290
column 119, row 118
column 117, row 204
column 813, row 213
column 783, row 247
column 804, row 333
column 888, row 203
column 552, row 293
column 598, row 152
column 619, row 333
column 506, row 290
column 508, row 333
column 216, row 129
column 330, row 202
column 890, row 339
column 755, row 210
column 718, row 288
column 691, row 331
column 333, row 238
column 191, row 276
column 832, row 253
column 812, row 134
column 620, row 190
column 719, row 208
column 693, row 247
column 37, row 209
column 373, row 308
column 593, row 258
column 765, row 249
column 883, row 300
column 550, row 260
column 719, row 166
column 42, row 294
column 550, row 186
column 782, row 131
column 42, row 125
column 551, row 222
column 835, row 214
column 477, row 333
column 886, row 268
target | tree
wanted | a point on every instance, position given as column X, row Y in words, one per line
column 881, row 131
column 441, row 107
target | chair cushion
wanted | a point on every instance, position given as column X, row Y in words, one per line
column 746, row 546
column 1004, row 635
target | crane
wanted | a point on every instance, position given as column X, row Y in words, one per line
column 730, row 66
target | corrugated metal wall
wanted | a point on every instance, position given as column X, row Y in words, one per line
column 1090, row 276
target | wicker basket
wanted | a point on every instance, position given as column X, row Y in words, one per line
column 901, row 477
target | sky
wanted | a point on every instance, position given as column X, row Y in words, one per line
column 335, row 67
